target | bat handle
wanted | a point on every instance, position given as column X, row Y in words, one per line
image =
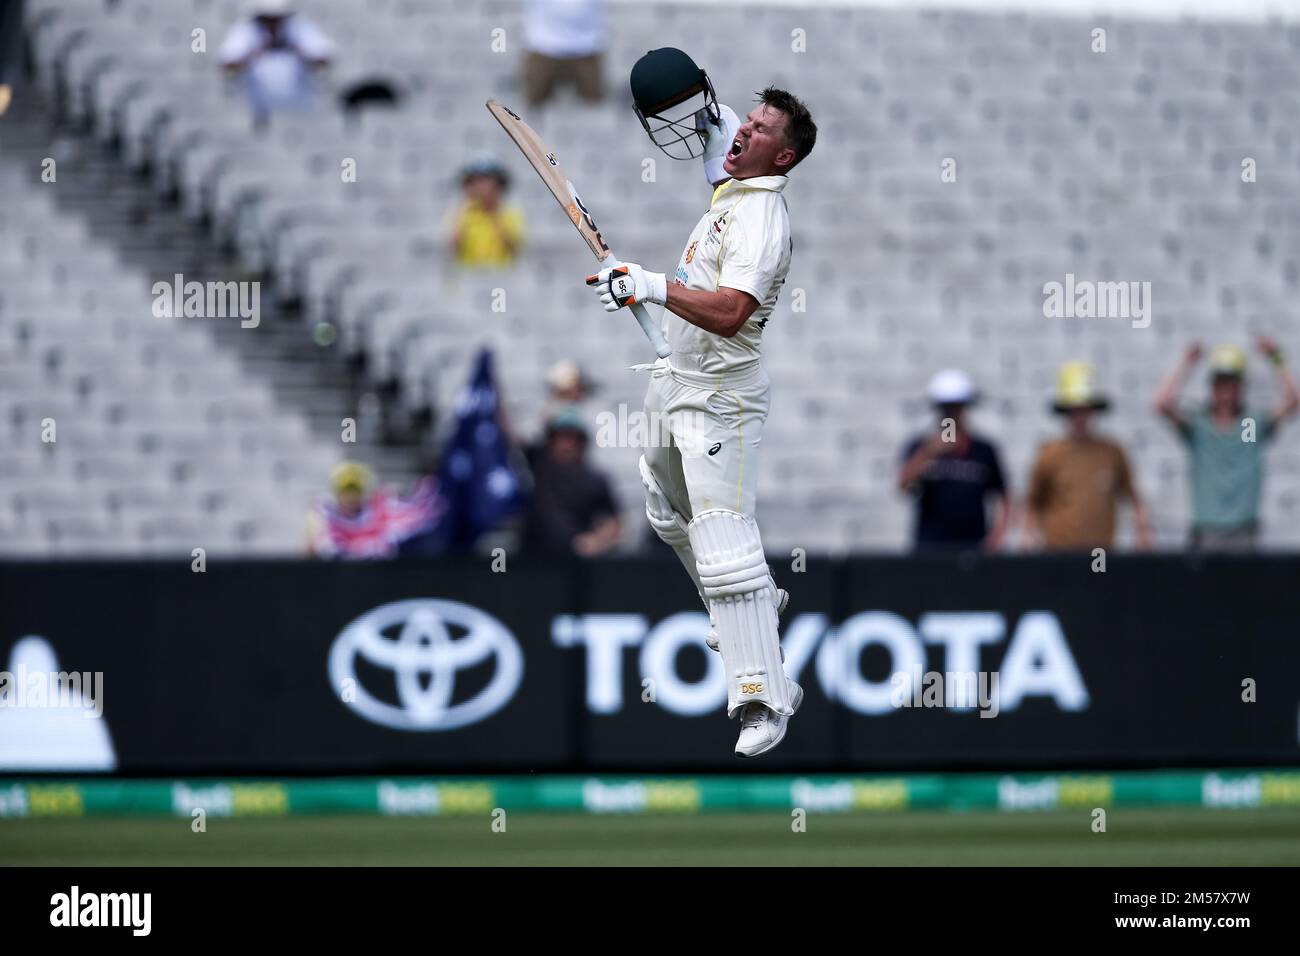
column 652, row 331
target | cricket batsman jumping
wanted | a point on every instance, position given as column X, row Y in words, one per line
column 712, row 390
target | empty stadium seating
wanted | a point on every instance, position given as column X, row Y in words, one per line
column 1117, row 166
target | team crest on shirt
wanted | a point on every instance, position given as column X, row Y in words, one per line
column 690, row 252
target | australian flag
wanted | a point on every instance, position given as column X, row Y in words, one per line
column 477, row 482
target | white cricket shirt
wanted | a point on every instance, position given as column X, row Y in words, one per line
column 742, row 242
column 278, row 77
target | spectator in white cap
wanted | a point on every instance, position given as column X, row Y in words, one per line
column 277, row 50
column 952, row 473
column 568, row 389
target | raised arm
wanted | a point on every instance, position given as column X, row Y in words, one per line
column 1289, row 402
column 1166, row 403
column 914, row 466
column 718, row 138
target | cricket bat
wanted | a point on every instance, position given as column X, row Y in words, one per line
column 548, row 167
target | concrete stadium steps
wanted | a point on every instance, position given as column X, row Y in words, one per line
column 143, row 490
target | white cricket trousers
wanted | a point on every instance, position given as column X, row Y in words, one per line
column 704, row 452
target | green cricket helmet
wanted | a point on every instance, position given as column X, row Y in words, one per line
column 668, row 93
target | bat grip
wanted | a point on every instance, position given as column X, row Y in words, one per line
column 652, row 331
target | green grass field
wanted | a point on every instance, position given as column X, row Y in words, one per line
column 1165, row 837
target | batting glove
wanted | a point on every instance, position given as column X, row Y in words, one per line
column 623, row 285
column 717, row 141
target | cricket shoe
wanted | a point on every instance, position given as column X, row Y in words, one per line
column 761, row 728
column 782, row 599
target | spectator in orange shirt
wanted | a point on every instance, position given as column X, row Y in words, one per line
column 1079, row 480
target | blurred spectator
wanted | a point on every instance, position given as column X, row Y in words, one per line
column 276, row 49
column 1225, row 443
column 1079, row 480
column 573, row 510
column 952, row 473
column 568, row 383
column 565, row 40
column 11, row 49
column 358, row 520
column 484, row 230
column 569, row 388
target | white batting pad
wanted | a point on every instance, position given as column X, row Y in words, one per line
column 736, row 584
column 668, row 524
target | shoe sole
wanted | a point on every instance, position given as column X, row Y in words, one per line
column 794, row 709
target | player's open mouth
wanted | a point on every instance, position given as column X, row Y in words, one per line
column 736, row 148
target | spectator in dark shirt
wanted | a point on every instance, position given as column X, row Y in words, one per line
column 951, row 473
column 573, row 510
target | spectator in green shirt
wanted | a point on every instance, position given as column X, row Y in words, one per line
column 1225, row 442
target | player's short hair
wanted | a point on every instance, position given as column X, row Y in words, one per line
column 800, row 130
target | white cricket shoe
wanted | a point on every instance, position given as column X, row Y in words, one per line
column 761, row 729
column 782, row 599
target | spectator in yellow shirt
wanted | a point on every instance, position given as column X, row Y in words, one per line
column 485, row 231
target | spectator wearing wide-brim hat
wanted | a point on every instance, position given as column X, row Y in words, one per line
column 1079, row 480
column 951, row 473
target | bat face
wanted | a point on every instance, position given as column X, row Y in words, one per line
column 585, row 223
column 547, row 164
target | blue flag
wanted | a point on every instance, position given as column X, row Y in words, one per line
column 476, row 480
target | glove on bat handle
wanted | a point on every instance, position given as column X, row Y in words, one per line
column 652, row 331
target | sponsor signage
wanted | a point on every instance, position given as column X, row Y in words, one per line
column 448, row 667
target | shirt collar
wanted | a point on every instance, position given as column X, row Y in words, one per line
column 772, row 183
